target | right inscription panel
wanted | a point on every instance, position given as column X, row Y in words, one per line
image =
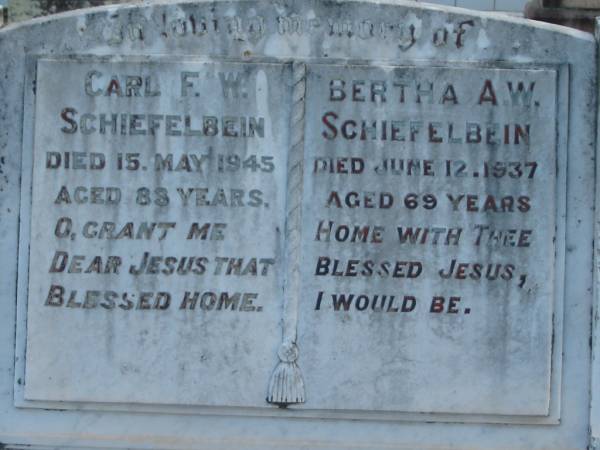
column 429, row 239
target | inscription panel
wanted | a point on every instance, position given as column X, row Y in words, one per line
column 428, row 235
column 429, row 239
column 157, row 208
column 363, row 378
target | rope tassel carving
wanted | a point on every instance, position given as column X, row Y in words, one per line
column 287, row 385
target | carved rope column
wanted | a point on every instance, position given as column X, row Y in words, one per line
column 286, row 386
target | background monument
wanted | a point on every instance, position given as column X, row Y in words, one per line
column 573, row 13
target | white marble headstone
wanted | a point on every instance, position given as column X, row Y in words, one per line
column 295, row 225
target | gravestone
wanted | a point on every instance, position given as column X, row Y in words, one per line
column 296, row 225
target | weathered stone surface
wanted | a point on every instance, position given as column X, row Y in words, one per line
column 166, row 211
column 434, row 229
column 386, row 209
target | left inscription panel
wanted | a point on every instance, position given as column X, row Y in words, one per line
column 157, row 210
